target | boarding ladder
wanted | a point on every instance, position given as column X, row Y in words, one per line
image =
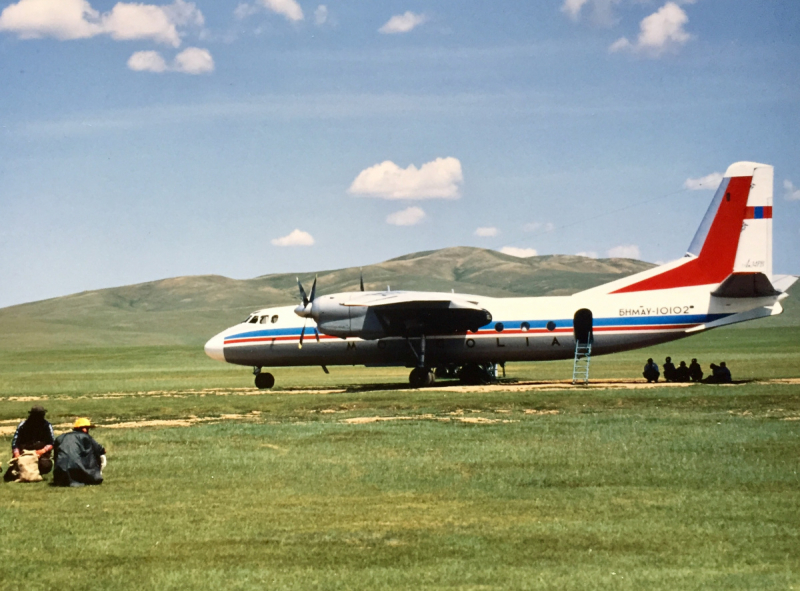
column 580, row 368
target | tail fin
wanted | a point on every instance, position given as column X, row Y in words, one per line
column 734, row 237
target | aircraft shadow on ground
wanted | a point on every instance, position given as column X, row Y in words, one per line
column 442, row 384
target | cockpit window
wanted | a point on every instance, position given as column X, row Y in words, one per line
column 264, row 319
column 274, row 319
column 253, row 319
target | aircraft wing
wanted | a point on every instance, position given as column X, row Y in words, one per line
column 415, row 313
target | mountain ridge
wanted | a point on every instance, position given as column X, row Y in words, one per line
column 187, row 310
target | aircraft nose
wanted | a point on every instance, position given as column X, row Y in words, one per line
column 214, row 348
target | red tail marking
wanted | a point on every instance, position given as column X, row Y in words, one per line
column 716, row 258
column 758, row 213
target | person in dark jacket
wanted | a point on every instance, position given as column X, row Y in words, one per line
column 651, row 372
column 695, row 371
column 34, row 434
column 80, row 459
column 720, row 374
column 669, row 370
column 682, row 373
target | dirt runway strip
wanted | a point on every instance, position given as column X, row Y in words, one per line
column 7, row 427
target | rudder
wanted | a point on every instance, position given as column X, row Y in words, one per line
column 735, row 235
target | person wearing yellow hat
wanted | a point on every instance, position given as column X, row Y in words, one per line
column 79, row 458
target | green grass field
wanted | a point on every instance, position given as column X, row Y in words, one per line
column 625, row 488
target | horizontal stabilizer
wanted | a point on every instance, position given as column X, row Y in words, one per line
column 745, row 285
column 761, row 312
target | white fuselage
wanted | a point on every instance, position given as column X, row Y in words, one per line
column 522, row 329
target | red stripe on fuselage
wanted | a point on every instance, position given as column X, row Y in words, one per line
column 716, row 258
column 505, row 333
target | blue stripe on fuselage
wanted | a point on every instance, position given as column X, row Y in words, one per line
column 653, row 321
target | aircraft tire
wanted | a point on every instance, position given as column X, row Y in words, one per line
column 265, row 381
column 421, row 377
column 473, row 374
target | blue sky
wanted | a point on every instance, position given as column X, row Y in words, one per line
column 143, row 141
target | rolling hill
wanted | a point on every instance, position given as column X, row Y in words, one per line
column 188, row 310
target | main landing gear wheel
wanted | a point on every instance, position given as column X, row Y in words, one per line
column 421, row 377
column 473, row 374
column 265, row 381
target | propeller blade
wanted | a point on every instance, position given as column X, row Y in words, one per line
column 362, row 279
column 316, row 332
column 303, row 292
column 313, row 290
column 302, row 334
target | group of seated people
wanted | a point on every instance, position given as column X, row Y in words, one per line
column 77, row 458
column 720, row 374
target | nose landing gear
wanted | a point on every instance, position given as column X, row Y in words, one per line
column 264, row 381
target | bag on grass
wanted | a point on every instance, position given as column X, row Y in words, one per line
column 28, row 467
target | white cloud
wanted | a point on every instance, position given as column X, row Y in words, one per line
column 140, row 21
column 791, row 192
column 536, row 226
column 708, row 182
column 625, row 251
column 288, row 8
column 406, row 217
column 619, row 45
column 486, row 232
column 602, row 10
column 147, row 61
column 589, row 254
column 62, row 19
column 294, row 238
column 191, row 60
column 573, row 8
column 321, row 15
column 403, row 23
column 184, row 14
column 660, row 32
column 522, row 253
column 194, row 60
column 76, row 19
column 243, row 10
column 439, row 179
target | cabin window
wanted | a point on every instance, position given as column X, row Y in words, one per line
column 525, row 327
column 499, row 327
column 551, row 325
column 274, row 319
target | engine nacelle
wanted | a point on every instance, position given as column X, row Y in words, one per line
column 335, row 318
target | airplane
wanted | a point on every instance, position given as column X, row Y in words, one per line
column 725, row 277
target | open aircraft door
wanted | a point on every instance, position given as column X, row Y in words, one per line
column 582, row 326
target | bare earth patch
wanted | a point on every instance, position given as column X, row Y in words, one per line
column 426, row 417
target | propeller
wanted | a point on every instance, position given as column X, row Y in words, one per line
column 304, row 309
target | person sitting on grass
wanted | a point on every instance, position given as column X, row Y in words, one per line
column 682, row 373
column 80, row 459
column 651, row 372
column 33, row 434
column 720, row 374
column 669, row 370
column 695, row 371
